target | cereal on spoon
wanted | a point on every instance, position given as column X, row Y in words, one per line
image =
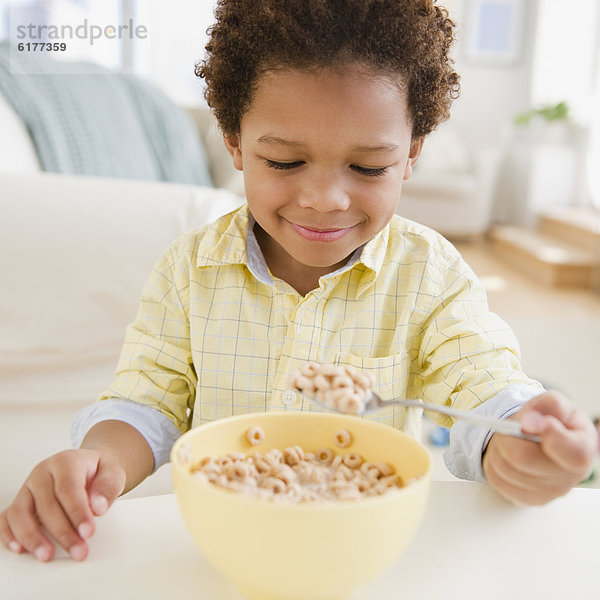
column 341, row 388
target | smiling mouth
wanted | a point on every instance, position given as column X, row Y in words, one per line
column 320, row 235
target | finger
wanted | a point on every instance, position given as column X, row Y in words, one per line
column 542, row 478
column 510, row 490
column 70, row 488
column 7, row 537
column 556, row 404
column 52, row 516
column 106, row 486
column 524, row 456
column 25, row 526
column 568, row 436
column 572, row 450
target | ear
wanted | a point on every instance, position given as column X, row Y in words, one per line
column 415, row 149
column 234, row 147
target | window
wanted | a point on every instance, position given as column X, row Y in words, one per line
column 88, row 28
column 101, row 31
column 567, row 68
column 178, row 35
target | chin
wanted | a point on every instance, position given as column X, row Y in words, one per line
column 321, row 262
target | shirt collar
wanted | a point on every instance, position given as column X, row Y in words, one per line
column 237, row 244
column 224, row 241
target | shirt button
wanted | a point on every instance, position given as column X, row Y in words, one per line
column 288, row 397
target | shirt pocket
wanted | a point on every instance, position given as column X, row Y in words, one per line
column 391, row 375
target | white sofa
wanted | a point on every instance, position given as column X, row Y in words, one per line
column 452, row 186
column 75, row 252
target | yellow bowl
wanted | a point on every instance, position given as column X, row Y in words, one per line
column 287, row 551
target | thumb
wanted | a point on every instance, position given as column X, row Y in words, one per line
column 106, row 486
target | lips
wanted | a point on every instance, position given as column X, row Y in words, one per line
column 315, row 234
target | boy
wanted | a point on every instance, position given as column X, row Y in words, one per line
column 324, row 106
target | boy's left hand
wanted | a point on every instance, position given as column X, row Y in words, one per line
column 530, row 473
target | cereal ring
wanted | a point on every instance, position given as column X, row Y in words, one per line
column 263, row 464
column 345, row 490
column 363, row 394
column 350, row 371
column 274, row 485
column 295, row 375
column 330, row 370
column 285, row 473
column 320, row 382
column 293, row 455
column 305, row 384
column 237, row 470
column 343, row 473
column 339, row 393
column 353, row 461
column 317, row 475
column 324, row 455
column 384, row 469
column 336, row 462
column 304, row 470
column 294, row 492
column 362, row 485
column 310, row 368
column 207, row 460
column 385, row 483
column 362, row 380
column 351, row 404
column 255, row 435
column 275, row 455
column 370, row 471
column 237, row 486
column 341, row 381
column 342, row 438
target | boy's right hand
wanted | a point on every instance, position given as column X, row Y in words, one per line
column 61, row 496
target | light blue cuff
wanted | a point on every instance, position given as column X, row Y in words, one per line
column 157, row 429
column 468, row 442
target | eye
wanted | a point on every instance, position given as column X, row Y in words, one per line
column 377, row 172
column 282, row 166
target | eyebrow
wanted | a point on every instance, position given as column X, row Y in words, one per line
column 272, row 139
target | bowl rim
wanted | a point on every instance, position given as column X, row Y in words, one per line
column 244, row 499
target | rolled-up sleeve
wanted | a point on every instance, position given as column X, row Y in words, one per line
column 158, row 430
column 468, row 442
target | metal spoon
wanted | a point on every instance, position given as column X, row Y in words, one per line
column 503, row 426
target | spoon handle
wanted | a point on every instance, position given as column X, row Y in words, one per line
column 503, row 426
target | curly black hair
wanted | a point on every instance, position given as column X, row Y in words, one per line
column 406, row 38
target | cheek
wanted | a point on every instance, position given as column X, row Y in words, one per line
column 382, row 203
column 264, row 195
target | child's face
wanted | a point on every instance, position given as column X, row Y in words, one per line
column 324, row 155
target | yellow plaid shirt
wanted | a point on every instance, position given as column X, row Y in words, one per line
column 216, row 335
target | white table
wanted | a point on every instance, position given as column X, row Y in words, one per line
column 472, row 544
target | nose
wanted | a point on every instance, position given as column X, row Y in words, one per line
column 323, row 192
